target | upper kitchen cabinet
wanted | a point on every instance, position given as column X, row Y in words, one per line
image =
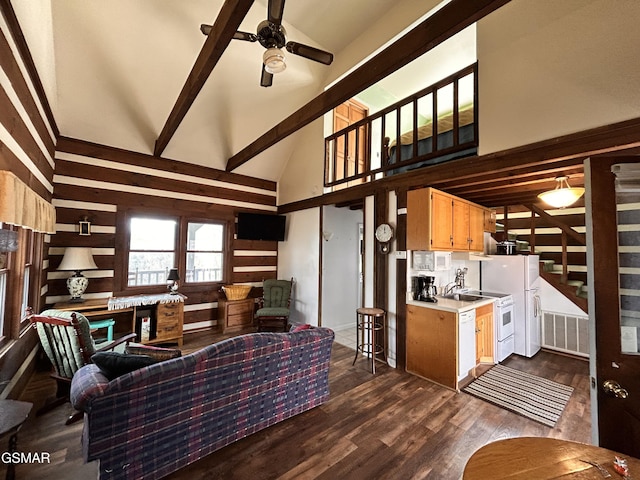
column 439, row 221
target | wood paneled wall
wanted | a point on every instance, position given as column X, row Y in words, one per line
column 27, row 144
column 99, row 182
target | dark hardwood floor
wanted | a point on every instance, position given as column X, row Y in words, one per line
column 389, row 426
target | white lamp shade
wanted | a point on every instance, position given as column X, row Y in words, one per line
column 77, row 259
column 563, row 195
column 274, row 60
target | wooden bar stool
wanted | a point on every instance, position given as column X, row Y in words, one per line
column 368, row 322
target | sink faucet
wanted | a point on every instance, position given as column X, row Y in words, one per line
column 457, row 283
column 460, row 273
column 448, row 289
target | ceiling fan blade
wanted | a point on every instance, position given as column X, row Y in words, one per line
column 267, row 78
column 274, row 11
column 311, row 53
column 249, row 37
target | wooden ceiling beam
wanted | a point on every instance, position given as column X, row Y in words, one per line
column 231, row 15
column 570, row 168
column 446, row 22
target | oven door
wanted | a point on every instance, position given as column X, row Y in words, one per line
column 504, row 320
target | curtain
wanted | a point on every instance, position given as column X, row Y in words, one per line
column 21, row 206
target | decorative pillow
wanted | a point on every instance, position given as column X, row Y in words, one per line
column 157, row 353
column 298, row 328
column 114, row 364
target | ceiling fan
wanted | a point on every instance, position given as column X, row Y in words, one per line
column 272, row 36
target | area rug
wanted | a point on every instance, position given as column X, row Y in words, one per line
column 531, row 396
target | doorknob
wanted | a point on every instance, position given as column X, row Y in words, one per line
column 613, row 388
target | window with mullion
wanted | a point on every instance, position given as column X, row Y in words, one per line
column 205, row 252
column 152, row 250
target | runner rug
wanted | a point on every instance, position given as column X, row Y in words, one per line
column 531, row 396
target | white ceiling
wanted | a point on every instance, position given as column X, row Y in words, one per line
column 120, row 66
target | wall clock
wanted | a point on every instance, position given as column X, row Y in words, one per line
column 384, row 234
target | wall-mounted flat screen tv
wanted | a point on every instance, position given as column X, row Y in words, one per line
column 260, row 226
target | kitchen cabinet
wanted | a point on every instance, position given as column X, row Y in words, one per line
column 489, row 220
column 460, row 224
column 440, row 344
column 432, row 345
column 439, row 221
column 484, row 334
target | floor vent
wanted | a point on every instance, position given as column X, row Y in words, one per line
column 565, row 333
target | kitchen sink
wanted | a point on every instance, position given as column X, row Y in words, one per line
column 463, row 297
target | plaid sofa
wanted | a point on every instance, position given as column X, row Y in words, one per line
column 158, row 419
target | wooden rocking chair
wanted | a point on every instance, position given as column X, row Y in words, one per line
column 66, row 339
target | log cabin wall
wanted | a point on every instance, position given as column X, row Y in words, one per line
column 27, row 143
column 100, row 182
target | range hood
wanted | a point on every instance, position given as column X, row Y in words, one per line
column 471, row 256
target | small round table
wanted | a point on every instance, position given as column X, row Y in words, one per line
column 369, row 321
column 543, row 459
column 13, row 413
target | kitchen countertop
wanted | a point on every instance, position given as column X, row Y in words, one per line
column 448, row 304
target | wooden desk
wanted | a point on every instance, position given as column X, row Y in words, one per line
column 542, row 459
column 166, row 318
column 91, row 308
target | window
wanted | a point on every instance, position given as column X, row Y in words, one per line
column 205, row 252
column 152, row 245
column 27, row 298
column 20, row 268
column 157, row 244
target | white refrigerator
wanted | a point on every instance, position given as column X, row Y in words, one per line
column 518, row 275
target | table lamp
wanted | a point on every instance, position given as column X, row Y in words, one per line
column 77, row 259
column 172, row 281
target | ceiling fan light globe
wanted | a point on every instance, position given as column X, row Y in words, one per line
column 274, row 60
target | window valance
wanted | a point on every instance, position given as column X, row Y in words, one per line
column 21, row 206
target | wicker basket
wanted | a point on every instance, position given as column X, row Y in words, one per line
column 236, row 292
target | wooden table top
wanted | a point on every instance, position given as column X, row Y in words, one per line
column 543, row 459
column 12, row 414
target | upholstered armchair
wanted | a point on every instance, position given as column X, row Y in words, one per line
column 67, row 342
column 274, row 305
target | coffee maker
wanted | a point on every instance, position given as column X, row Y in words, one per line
column 424, row 288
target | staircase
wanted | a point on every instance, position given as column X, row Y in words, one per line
column 557, row 236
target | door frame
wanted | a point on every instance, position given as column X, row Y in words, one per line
column 611, row 426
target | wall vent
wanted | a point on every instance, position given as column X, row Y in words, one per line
column 565, row 333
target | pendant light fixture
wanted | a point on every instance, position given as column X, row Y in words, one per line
column 563, row 195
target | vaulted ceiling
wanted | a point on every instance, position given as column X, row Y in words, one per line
column 118, row 68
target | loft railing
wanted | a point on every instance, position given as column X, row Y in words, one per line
column 364, row 150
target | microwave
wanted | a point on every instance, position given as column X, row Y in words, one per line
column 431, row 261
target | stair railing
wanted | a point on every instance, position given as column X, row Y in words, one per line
column 566, row 232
